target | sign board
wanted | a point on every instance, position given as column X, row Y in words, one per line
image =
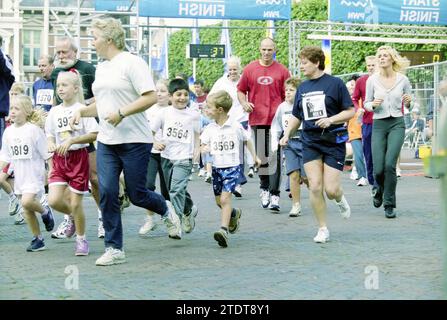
column 204, row 9
column 417, row 12
column 215, row 51
column 115, row 5
column 422, row 57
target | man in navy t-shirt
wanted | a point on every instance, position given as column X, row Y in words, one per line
column 43, row 90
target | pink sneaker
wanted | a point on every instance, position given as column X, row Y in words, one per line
column 81, row 247
column 70, row 229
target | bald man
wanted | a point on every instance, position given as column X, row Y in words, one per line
column 260, row 91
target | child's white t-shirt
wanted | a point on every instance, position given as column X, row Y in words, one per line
column 58, row 126
column 178, row 127
column 118, row 83
column 225, row 142
column 151, row 114
column 26, row 149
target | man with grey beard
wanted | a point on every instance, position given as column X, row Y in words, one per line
column 66, row 59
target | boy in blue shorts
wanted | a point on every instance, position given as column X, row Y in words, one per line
column 225, row 139
column 294, row 150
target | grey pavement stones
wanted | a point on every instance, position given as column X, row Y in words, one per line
column 271, row 257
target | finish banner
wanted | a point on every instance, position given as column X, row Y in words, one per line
column 417, row 12
column 204, row 9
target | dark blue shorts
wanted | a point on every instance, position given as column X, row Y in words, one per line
column 294, row 157
column 225, row 179
column 332, row 154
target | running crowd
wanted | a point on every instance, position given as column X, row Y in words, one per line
column 112, row 131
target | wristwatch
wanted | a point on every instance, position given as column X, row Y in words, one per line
column 122, row 116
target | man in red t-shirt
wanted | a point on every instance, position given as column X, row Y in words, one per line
column 367, row 120
column 260, row 91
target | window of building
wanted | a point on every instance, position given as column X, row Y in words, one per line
column 31, row 47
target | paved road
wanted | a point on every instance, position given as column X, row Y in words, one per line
column 271, row 257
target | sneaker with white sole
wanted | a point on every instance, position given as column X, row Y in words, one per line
column 343, row 207
column 322, row 235
column 148, row 226
column 221, row 236
column 36, row 245
column 274, row 204
column 265, row 198
column 189, row 221
column 238, row 191
column 110, row 257
column 14, row 205
column 101, row 231
column 362, row 182
column 172, row 222
column 66, row 228
column 296, row 210
column 233, row 226
column 82, row 248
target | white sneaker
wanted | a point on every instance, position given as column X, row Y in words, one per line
column 110, row 257
column 274, row 203
column 201, row 173
column 344, row 208
column 322, row 235
column 265, row 198
column 398, row 172
column 101, row 231
column 14, row 205
column 60, row 231
column 189, row 222
column 172, row 222
column 362, row 182
column 149, row 225
column 296, row 210
column 354, row 175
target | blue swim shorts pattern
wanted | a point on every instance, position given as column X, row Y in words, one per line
column 225, row 179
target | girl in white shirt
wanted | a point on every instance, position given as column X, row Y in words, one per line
column 24, row 146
